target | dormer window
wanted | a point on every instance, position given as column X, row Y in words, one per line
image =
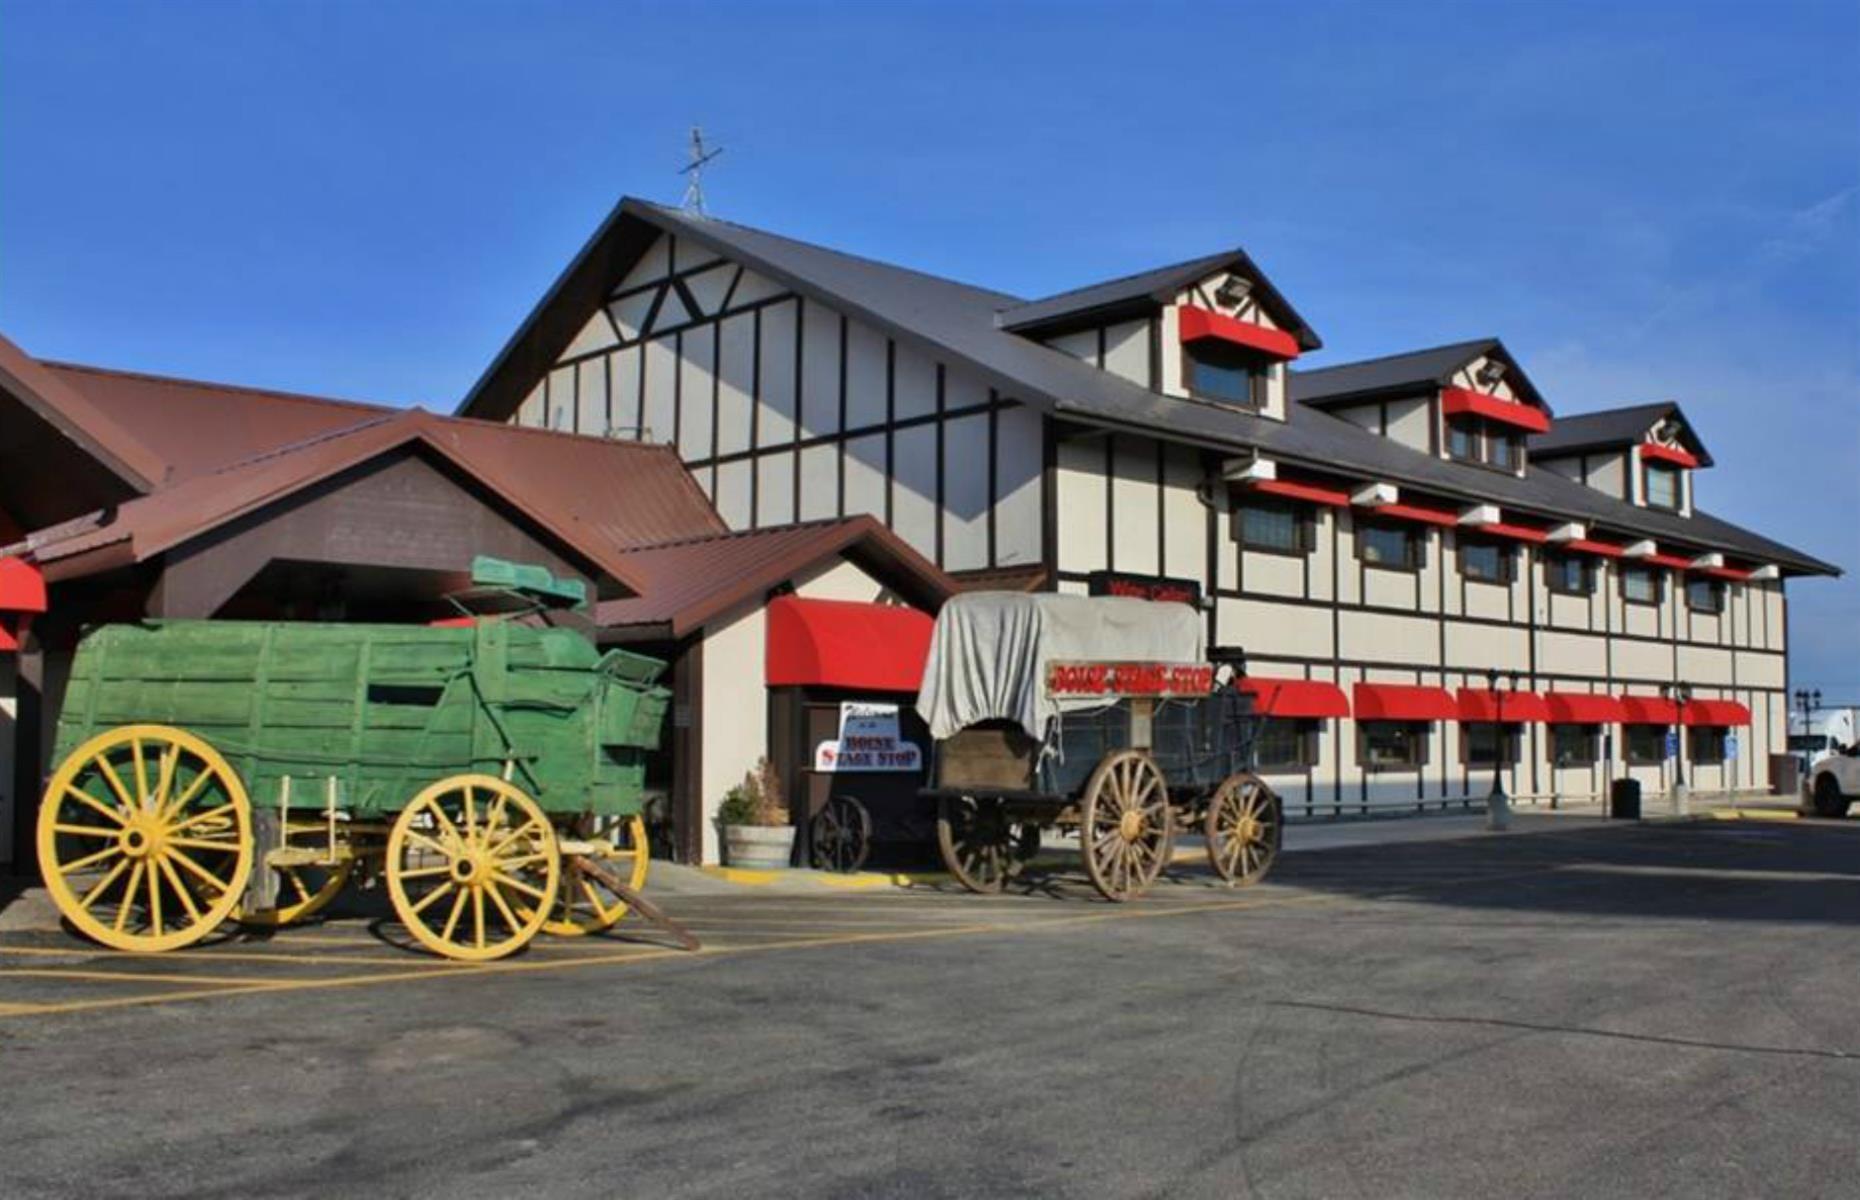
column 1223, row 372
column 1663, row 486
column 1489, row 443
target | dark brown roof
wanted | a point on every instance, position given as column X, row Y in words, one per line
column 78, row 418
column 193, row 426
column 1613, row 428
column 686, row 583
column 1030, row 578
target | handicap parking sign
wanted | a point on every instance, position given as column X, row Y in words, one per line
column 1672, row 743
column 1730, row 745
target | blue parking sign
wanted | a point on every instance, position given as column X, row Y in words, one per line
column 1672, row 743
column 1730, row 745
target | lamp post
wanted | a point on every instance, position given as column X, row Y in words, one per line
column 1678, row 693
column 1497, row 804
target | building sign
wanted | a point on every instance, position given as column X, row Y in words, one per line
column 1144, row 587
column 869, row 741
column 1129, row 679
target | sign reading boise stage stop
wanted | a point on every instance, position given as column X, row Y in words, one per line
column 869, row 741
column 1111, row 679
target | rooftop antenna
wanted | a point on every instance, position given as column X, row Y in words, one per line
column 693, row 172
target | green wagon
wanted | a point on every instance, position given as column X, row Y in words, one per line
column 210, row 771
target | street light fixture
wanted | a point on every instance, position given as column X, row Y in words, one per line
column 1678, row 693
column 1497, row 804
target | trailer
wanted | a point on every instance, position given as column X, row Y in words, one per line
column 1097, row 716
column 489, row 774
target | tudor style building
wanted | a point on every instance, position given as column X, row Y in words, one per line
column 1378, row 535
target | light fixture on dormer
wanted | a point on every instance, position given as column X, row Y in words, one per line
column 1233, row 290
column 1490, row 372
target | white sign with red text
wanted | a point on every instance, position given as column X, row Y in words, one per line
column 869, row 741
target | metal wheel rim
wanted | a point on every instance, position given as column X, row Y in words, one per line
column 583, row 903
column 174, row 840
column 983, row 867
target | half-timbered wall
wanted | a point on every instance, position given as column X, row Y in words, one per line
column 1129, row 503
column 788, row 410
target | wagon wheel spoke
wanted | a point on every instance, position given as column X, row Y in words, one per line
column 496, row 893
column 195, row 786
column 179, row 888
column 433, row 897
column 115, row 814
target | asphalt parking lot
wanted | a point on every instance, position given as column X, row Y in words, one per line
column 1626, row 1011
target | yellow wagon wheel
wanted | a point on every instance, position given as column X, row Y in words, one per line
column 303, row 890
column 584, row 903
column 1244, row 827
column 471, row 867
column 145, row 838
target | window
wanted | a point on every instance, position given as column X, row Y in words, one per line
column 1569, row 574
column 1707, row 743
column 1391, row 743
column 1216, row 370
column 1286, row 744
column 1640, row 585
column 1575, row 745
column 1705, row 595
column 1485, row 561
column 1662, row 485
column 1481, row 743
column 1398, row 547
column 1278, row 526
column 1470, row 439
column 1646, row 744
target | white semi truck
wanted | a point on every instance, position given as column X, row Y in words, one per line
column 1828, row 746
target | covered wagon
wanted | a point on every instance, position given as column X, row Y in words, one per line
column 1099, row 716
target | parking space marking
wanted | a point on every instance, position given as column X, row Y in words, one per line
column 646, row 952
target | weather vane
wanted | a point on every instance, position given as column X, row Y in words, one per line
column 693, row 172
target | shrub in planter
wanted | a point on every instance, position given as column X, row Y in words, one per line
column 757, row 830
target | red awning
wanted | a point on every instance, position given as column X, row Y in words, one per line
column 1521, row 533
column 1295, row 697
column 1671, row 454
column 1716, row 712
column 22, row 588
column 1735, row 574
column 1404, row 702
column 12, row 629
column 1415, row 512
column 1582, row 708
column 1648, row 710
column 1198, row 323
column 1481, row 704
column 1454, row 401
column 1590, row 546
column 1291, row 489
column 846, row 644
column 1670, row 561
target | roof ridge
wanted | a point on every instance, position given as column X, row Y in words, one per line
column 315, row 439
column 217, row 386
column 728, row 534
column 1125, row 277
column 1363, row 362
column 701, row 219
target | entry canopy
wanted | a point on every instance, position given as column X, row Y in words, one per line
column 989, row 654
column 1582, row 708
column 845, row 644
column 1716, row 712
column 1507, row 707
column 1304, row 698
column 1404, row 702
column 22, row 588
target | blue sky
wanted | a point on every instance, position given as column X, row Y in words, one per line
column 1645, row 200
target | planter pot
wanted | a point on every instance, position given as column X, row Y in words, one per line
column 760, row 846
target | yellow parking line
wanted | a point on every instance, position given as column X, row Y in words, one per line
column 126, row 976
column 399, row 960
column 525, row 966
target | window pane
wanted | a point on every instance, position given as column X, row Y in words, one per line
column 1504, row 451
column 1573, row 745
column 1392, row 743
column 1706, row 595
column 1387, row 545
column 1463, row 439
column 1646, row 743
column 1707, row 744
column 1569, row 573
column 1283, row 743
column 1639, row 584
column 1662, row 486
column 1221, row 373
column 1485, row 560
column 1484, row 740
column 1269, row 526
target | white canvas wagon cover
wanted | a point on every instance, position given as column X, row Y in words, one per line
column 989, row 652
